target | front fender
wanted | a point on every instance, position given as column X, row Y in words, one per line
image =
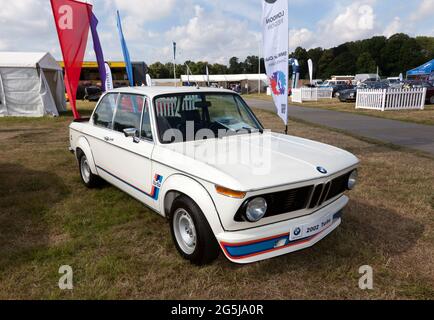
column 196, row 191
column 84, row 145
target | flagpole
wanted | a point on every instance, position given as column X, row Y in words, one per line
column 174, row 63
column 259, row 68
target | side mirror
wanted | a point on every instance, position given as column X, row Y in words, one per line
column 131, row 132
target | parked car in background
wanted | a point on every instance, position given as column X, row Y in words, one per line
column 350, row 95
column 150, row 143
column 92, row 93
column 340, row 87
column 429, row 98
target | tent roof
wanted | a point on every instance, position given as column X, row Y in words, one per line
column 225, row 77
column 28, row 60
column 427, row 68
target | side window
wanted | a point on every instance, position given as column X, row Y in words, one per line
column 103, row 116
column 129, row 112
column 146, row 123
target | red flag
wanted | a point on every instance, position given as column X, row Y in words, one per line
column 72, row 24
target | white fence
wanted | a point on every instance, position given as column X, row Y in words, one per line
column 391, row 99
column 311, row 94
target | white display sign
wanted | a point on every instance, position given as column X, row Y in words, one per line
column 276, row 34
column 108, row 78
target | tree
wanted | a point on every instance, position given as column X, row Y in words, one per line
column 251, row 64
column 158, row 70
column 365, row 63
column 397, row 54
column 235, row 67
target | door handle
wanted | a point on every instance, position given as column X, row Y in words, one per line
column 108, row 139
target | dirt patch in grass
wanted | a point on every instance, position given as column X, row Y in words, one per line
column 119, row 249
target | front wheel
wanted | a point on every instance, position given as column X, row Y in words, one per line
column 191, row 232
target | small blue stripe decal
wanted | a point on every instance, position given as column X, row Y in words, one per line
column 255, row 247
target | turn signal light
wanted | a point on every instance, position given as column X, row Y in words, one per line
column 230, row 193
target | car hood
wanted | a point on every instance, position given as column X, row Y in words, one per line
column 255, row 161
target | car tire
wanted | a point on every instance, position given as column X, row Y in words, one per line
column 431, row 100
column 192, row 233
column 89, row 179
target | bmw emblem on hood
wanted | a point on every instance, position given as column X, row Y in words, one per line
column 321, row 170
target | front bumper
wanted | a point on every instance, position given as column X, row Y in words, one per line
column 270, row 241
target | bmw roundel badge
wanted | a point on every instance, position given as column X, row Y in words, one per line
column 297, row 232
column 321, row 170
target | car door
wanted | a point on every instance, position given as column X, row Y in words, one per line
column 129, row 159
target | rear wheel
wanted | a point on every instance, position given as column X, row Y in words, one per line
column 191, row 232
column 89, row 179
column 431, row 100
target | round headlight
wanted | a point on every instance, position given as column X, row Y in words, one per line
column 256, row 209
column 352, row 180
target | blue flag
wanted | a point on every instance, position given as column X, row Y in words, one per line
column 125, row 52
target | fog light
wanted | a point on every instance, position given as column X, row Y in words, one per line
column 256, row 209
column 352, row 180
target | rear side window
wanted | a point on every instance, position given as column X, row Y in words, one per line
column 129, row 112
column 103, row 116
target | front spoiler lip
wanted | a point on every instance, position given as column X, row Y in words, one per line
column 262, row 240
column 284, row 236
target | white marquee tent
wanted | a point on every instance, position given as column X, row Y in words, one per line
column 31, row 85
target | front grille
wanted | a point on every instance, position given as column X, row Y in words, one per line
column 281, row 202
column 297, row 199
column 287, row 201
column 338, row 186
column 325, row 192
column 315, row 197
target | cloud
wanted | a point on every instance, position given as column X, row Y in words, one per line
column 425, row 9
column 393, row 27
column 146, row 10
column 301, row 38
column 214, row 37
column 355, row 22
column 26, row 25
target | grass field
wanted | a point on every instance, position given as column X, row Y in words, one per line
column 120, row 250
column 416, row 116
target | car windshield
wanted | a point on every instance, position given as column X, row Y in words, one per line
column 191, row 116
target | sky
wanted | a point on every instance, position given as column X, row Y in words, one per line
column 212, row 30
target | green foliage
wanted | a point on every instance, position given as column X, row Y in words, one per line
column 393, row 56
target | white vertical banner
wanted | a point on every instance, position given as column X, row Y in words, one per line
column 276, row 45
column 108, row 77
column 310, row 65
column 148, row 80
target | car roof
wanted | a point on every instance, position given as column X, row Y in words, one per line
column 155, row 91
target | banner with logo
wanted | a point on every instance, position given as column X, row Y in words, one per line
column 276, row 45
column 310, row 65
column 108, row 77
column 72, row 24
column 98, row 51
column 125, row 51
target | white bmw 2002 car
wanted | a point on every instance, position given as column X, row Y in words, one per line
column 200, row 158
